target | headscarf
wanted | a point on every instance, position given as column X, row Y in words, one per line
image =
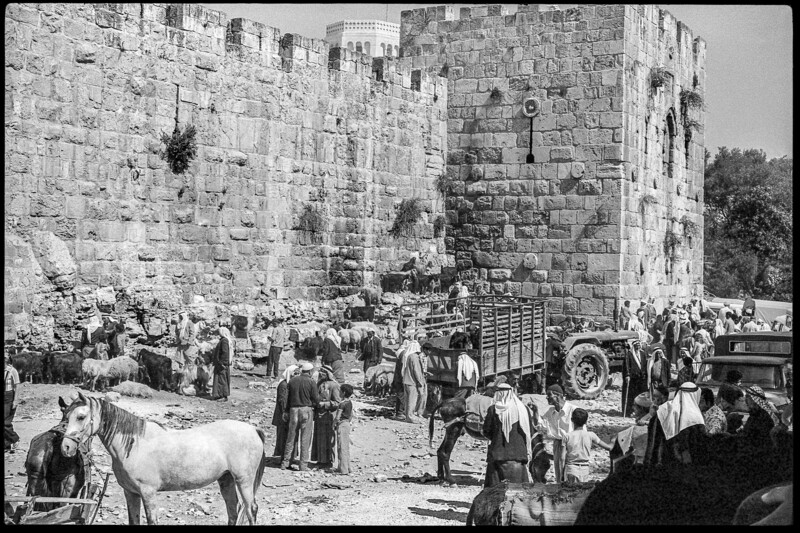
column 510, row 409
column 332, row 335
column 463, row 291
column 327, row 372
column 287, row 374
column 413, row 347
column 183, row 325
column 682, row 411
column 467, row 367
column 756, row 394
column 225, row 333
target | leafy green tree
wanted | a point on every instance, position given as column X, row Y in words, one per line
column 748, row 224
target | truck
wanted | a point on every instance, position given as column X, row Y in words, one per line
column 508, row 334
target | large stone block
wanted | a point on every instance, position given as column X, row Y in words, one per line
column 499, row 274
column 55, row 259
column 592, row 307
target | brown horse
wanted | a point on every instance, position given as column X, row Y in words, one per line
column 148, row 458
column 454, row 414
column 49, row 472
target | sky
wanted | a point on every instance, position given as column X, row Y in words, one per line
column 749, row 60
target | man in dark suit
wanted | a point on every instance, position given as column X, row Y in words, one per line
column 634, row 377
column 371, row 352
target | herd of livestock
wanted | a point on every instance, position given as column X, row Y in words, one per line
column 149, row 368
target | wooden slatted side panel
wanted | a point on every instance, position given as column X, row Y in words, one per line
column 514, row 335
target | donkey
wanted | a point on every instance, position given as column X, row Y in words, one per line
column 454, row 415
column 148, row 458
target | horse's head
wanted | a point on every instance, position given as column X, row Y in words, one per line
column 82, row 423
column 434, row 399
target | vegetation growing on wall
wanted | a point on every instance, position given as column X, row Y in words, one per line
column 690, row 100
column 180, row 148
column 658, row 77
column 690, row 229
column 496, row 94
column 438, row 226
column 313, row 220
column 671, row 243
column 408, row 214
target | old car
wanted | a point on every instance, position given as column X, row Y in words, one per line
column 767, row 371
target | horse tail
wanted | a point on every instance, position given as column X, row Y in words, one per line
column 257, row 481
column 263, row 463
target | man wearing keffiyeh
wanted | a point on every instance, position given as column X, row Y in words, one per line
column 763, row 417
column 468, row 375
column 508, row 427
column 677, row 433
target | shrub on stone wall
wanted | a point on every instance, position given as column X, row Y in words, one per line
column 671, row 243
column 408, row 214
column 180, row 148
column 443, row 183
column 690, row 229
column 314, row 220
column 690, row 100
column 690, row 126
column 438, row 226
column 658, row 77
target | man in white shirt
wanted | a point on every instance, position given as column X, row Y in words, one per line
column 750, row 325
column 555, row 423
column 11, row 379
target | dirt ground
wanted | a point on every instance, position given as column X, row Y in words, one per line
column 397, row 452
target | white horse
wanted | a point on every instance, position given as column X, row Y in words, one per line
column 148, row 458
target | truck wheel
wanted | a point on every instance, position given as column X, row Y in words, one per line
column 585, row 372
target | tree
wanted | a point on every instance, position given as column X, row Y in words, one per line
column 748, row 224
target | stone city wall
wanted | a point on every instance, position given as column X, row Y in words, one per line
column 569, row 226
column 662, row 216
column 283, row 123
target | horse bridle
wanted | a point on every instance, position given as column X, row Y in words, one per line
column 78, row 437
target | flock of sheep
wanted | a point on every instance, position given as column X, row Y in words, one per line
column 119, row 369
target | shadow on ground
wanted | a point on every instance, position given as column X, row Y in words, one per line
column 451, row 503
column 441, row 515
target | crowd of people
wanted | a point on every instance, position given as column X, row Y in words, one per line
column 314, row 414
column 678, row 339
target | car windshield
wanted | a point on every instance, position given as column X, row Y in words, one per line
column 766, row 377
column 760, row 347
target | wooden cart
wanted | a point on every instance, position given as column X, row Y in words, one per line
column 77, row 511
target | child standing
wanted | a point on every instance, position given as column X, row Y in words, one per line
column 577, row 447
column 344, row 414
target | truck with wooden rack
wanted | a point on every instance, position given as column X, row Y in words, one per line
column 508, row 334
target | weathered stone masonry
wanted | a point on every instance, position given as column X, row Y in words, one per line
column 612, row 206
column 283, row 122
